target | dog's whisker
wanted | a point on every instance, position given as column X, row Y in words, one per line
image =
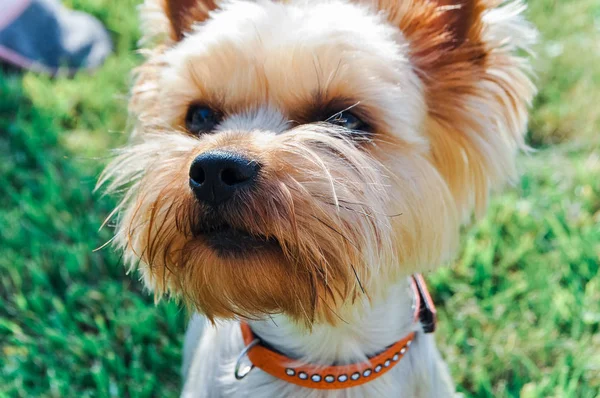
column 273, row 320
column 332, row 76
column 332, row 117
column 335, row 230
column 358, row 279
column 105, row 244
column 334, row 312
column 318, row 72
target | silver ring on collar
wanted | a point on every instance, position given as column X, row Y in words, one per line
column 241, row 373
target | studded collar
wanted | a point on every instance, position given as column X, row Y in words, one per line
column 337, row 376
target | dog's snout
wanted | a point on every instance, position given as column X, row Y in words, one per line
column 215, row 176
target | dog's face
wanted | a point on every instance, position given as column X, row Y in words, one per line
column 294, row 156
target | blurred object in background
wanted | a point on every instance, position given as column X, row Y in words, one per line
column 44, row 36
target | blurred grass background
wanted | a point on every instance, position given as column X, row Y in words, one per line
column 520, row 308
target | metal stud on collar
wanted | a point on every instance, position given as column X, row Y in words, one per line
column 240, row 374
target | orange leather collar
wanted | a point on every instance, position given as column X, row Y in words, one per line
column 340, row 376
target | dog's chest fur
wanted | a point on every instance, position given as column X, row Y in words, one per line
column 210, row 354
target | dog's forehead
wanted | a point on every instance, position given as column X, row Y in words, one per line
column 297, row 45
column 271, row 25
column 284, row 55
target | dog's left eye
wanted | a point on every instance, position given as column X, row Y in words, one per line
column 348, row 120
column 201, row 119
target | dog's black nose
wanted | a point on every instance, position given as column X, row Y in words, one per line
column 216, row 175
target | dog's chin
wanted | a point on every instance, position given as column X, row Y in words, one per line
column 230, row 242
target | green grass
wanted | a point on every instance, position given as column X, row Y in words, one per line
column 520, row 308
column 569, row 72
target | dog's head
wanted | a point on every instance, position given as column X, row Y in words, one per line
column 292, row 156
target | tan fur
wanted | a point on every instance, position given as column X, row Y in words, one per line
column 182, row 14
column 442, row 88
column 476, row 89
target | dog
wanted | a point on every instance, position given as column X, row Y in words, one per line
column 294, row 165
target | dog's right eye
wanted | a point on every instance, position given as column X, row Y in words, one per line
column 201, row 119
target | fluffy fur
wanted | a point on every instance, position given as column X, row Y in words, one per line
column 446, row 94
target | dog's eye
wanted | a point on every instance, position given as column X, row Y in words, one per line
column 201, row 119
column 348, row 120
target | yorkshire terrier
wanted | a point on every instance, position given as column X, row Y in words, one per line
column 295, row 163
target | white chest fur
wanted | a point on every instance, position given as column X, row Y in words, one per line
column 210, row 353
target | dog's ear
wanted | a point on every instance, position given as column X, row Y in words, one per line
column 468, row 55
column 182, row 14
column 168, row 20
column 456, row 17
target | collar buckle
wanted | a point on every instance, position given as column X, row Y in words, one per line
column 240, row 372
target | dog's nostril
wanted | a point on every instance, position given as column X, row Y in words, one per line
column 232, row 176
column 197, row 174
